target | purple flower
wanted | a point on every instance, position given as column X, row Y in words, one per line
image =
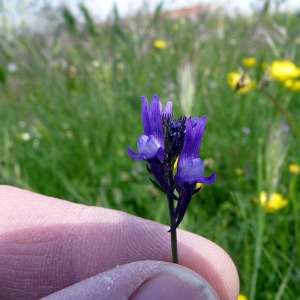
column 190, row 169
column 151, row 145
column 164, row 140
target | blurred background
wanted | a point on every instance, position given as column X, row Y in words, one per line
column 71, row 77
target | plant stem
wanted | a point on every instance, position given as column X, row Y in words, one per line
column 174, row 232
column 295, row 207
column 261, row 218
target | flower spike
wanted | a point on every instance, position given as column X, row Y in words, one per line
column 165, row 141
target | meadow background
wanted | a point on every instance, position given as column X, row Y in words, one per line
column 70, row 105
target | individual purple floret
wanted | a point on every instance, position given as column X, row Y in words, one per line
column 190, row 168
column 151, row 145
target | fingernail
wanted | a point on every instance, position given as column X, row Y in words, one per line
column 175, row 282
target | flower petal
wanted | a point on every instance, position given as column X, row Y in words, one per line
column 146, row 116
column 193, row 138
column 152, row 119
column 156, row 119
column 168, row 110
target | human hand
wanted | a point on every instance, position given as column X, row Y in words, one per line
column 62, row 250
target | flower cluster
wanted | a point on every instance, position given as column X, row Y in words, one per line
column 165, row 140
column 284, row 71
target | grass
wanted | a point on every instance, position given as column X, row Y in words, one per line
column 72, row 107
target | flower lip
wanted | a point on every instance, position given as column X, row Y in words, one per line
column 193, row 172
column 148, row 148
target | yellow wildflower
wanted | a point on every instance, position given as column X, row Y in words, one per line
column 273, row 204
column 294, row 169
column 242, row 297
column 293, row 85
column 160, row 44
column 284, row 70
column 241, row 82
column 249, row 61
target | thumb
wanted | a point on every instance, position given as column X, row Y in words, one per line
column 140, row 280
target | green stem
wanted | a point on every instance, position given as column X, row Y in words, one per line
column 295, row 207
column 174, row 232
column 261, row 217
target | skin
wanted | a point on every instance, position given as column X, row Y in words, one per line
column 48, row 244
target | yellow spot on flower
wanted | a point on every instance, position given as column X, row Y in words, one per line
column 176, row 163
column 293, row 85
column 160, row 44
column 284, row 70
column 294, row 169
column 273, row 204
column 242, row 297
column 241, row 82
column 198, row 185
column 249, row 61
